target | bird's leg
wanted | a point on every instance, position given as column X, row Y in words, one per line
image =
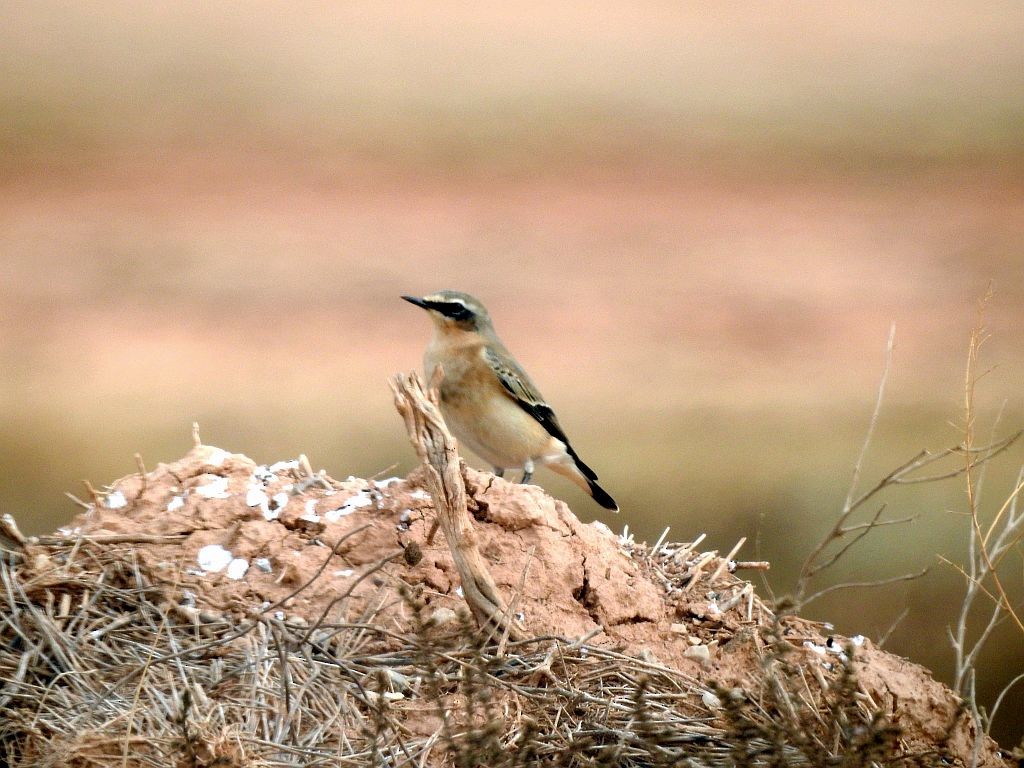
column 527, row 472
column 499, row 471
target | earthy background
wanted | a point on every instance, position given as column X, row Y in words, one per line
column 693, row 224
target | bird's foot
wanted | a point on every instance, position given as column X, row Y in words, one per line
column 499, row 471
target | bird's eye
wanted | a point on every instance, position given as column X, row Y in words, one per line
column 459, row 312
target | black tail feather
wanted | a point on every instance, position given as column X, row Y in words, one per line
column 601, row 496
column 587, row 471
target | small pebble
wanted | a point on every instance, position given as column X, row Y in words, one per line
column 218, row 489
column 213, row 558
column 699, row 652
column 310, row 515
column 821, row 650
column 710, row 700
column 237, row 568
column 374, row 697
column 255, row 497
column 263, row 475
column 398, row 679
column 442, row 616
column 116, row 500
column 413, row 553
column 216, row 457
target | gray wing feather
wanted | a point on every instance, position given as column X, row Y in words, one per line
column 515, row 381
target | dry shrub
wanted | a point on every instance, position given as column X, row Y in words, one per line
column 102, row 665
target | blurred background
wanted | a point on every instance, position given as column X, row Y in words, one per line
column 693, row 223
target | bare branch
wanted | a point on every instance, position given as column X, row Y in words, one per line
column 816, row 561
column 848, row 504
column 880, row 642
column 999, row 699
column 857, row 584
column 849, row 534
column 864, row 528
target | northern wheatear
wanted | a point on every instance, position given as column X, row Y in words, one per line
column 489, row 402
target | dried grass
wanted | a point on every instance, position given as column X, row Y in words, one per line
column 102, row 666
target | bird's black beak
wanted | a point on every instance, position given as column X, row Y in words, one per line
column 418, row 302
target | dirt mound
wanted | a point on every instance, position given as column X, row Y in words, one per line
column 224, row 545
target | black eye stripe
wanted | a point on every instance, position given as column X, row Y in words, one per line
column 452, row 309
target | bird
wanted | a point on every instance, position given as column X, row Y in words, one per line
column 489, row 402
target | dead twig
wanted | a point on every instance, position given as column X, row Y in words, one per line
column 11, row 537
column 113, row 538
column 144, row 477
column 436, row 448
column 862, row 584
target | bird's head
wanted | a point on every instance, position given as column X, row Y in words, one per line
column 453, row 311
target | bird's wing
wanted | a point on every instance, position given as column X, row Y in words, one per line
column 522, row 390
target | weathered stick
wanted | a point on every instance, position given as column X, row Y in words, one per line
column 436, row 448
column 11, row 538
column 113, row 538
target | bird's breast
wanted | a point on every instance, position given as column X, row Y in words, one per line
column 480, row 412
column 463, row 367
